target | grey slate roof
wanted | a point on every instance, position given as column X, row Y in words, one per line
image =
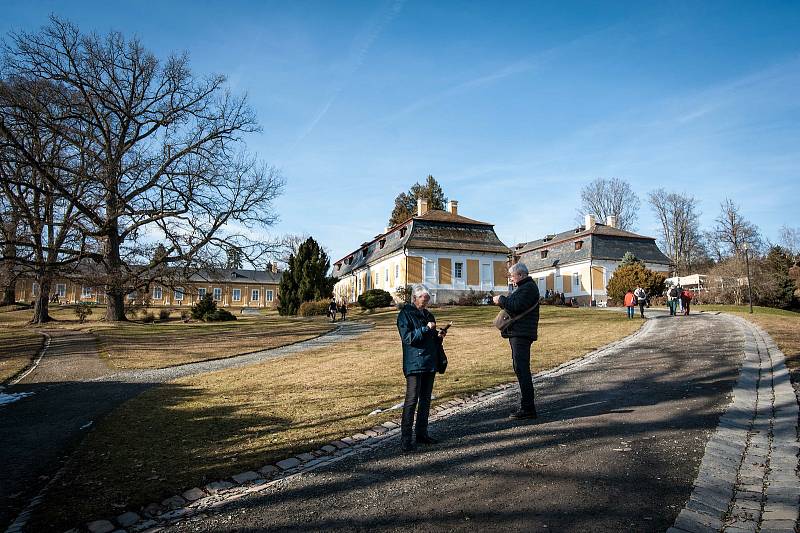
column 229, row 275
column 436, row 229
column 599, row 242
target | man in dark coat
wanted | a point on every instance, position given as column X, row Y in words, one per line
column 422, row 342
column 521, row 334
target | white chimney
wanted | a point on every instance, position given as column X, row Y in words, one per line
column 588, row 221
column 422, row 207
column 452, row 206
column 611, row 220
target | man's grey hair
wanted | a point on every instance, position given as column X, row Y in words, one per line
column 419, row 290
column 518, row 268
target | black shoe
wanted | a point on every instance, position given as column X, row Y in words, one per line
column 427, row 439
column 406, row 445
column 523, row 414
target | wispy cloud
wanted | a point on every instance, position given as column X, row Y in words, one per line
column 358, row 53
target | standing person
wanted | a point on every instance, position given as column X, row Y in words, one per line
column 343, row 310
column 673, row 295
column 522, row 333
column 630, row 302
column 686, row 299
column 421, row 344
column 641, row 299
column 332, row 308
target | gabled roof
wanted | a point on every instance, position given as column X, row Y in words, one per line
column 436, row 229
column 236, row 275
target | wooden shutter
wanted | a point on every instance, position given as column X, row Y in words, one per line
column 473, row 272
column 551, row 282
column 500, row 274
column 445, row 271
column 414, row 269
column 597, row 279
column 566, row 283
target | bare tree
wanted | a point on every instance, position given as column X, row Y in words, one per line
column 680, row 228
column 9, row 235
column 165, row 149
column 790, row 239
column 610, row 197
column 732, row 231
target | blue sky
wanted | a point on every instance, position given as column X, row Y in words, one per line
column 513, row 107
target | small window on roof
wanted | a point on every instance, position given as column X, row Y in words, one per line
column 544, row 253
column 578, row 245
column 383, row 243
column 402, row 232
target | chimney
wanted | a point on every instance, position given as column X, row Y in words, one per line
column 452, row 206
column 611, row 220
column 588, row 222
column 422, row 207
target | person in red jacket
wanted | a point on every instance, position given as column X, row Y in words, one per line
column 630, row 302
column 686, row 299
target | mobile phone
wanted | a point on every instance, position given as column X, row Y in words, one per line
column 446, row 327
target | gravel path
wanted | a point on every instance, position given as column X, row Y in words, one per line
column 71, row 389
column 617, row 448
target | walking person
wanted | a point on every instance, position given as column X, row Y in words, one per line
column 686, row 300
column 641, row 299
column 522, row 303
column 343, row 310
column 422, row 342
column 673, row 295
column 332, row 308
column 630, row 302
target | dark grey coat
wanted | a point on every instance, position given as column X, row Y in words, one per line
column 525, row 296
column 420, row 343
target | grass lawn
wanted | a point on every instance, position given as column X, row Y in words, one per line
column 18, row 349
column 195, row 430
column 137, row 345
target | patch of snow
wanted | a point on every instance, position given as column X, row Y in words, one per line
column 6, row 398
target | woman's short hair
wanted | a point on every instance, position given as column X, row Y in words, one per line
column 419, row 290
column 518, row 268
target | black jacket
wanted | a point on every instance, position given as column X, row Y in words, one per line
column 523, row 298
column 420, row 343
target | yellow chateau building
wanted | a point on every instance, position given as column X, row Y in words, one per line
column 449, row 253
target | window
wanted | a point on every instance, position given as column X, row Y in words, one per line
column 178, row 296
column 383, row 243
column 544, row 253
column 132, row 295
column 201, row 292
column 402, row 232
column 377, row 279
column 86, row 292
column 397, row 272
column 387, row 273
column 255, row 295
column 217, row 294
column 576, row 280
column 430, row 270
column 35, row 288
column 236, row 294
column 458, row 270
column 157, row 293
column 269, row 296
column 578, row 245
column 61, row 290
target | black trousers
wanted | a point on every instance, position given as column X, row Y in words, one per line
column 521, row 357
column 419, row 388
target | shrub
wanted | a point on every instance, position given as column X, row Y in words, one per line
column 472, row 298
column 82, row 310
column 148, row 317
column 403, row 293
column 632, row 275
column 132, row 311
column 315, row 308
column 374, row 298
column 185, row 314
column 219, row 315
column 163, row 314
column 205, row 306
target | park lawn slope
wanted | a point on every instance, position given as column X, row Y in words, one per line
column 18, row 349
column 195, row 430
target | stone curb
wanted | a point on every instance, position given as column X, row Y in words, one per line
column 219, row 493
column 748, row 475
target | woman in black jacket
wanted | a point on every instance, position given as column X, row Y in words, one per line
column 521, row 333
column 421, row 344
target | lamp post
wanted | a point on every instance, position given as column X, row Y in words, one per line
column 749, row 288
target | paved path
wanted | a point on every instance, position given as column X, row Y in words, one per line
column 618, row 448
column 71, row 390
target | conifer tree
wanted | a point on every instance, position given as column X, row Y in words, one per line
column 405, row 204
column 306, row 279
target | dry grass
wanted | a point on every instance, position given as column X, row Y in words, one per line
column 18, row 350
column 198, row 429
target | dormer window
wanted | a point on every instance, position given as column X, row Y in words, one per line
column 544, row 254
column 383, row 243
column 350, row 260
column 364, row 252
column 578, row 245
column 402, row 232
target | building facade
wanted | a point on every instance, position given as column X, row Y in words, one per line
column 228, row 287
column 580, row 262
column 449, row 253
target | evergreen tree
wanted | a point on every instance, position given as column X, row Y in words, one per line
column 634, row 274
column 780, row 287
column 306, row 279
column 405, row 204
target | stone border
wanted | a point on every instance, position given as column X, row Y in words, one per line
column 748, row 478
column 199, row 500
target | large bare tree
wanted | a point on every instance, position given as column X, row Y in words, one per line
column 9, row 235
column 610, row 197
column 165, row 148
column 680, row 237
column 732, row 231
column 790, row 239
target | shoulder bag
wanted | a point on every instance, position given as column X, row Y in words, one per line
column 504, row 319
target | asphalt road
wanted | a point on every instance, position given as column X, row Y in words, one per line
column 616, row 448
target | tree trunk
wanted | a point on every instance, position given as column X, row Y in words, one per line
column 41, row 306
column 9, row 294
column 115, row 291
column 7, row 274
